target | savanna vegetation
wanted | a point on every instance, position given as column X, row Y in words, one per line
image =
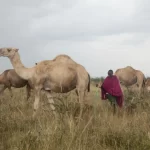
column 99, row 129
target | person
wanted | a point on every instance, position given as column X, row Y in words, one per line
column 111, row 89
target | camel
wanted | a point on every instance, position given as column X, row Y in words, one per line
column 58, row 77
column 129, row 76
column 9, row 78
column 65, row 59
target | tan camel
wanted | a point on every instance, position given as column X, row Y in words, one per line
column 54, row 76
column 68, row 60
column 9, row 78
column 129, row 76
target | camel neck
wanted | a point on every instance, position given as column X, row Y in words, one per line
column 21, row 70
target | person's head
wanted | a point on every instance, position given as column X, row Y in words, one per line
column 110, row 72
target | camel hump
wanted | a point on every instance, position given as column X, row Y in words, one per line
column 64, row 59
column 129, row 68
column 125, row 69
column 61, row 56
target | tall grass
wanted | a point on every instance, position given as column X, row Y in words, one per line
column 99, row 129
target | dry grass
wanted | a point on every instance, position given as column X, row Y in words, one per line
column 98, row 129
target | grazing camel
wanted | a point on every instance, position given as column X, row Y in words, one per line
column 53, row 76
column 9, row 78
column 129, row 76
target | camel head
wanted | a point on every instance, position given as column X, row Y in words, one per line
column 8, row 51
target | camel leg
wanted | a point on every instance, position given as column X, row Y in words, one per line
column 51, row 102
column 81, row 98
column 28, row 91
column 11, row 94
column 140, row 91
column 143, row 89
column 139, row 94
column 36, row 102
column 77, row 94
column 2, row 90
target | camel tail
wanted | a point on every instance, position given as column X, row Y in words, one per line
column 89, row 82
column 143, row 85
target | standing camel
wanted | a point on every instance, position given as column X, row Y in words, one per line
column 129, row 76
column 9, row 78
column 53, row 76
column 68, row 60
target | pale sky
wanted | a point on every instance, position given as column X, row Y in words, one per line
column 99, row 34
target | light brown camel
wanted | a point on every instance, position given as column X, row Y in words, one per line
column 9, row 78
column 129, row 76
column 54, row 76
column 68, row 60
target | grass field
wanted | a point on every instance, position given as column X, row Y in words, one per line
column 99, row 129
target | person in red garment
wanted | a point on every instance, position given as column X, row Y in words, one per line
column 110, row 89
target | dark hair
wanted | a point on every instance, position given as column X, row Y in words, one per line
column 110, row 72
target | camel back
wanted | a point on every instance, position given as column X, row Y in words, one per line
column 61, row 56
column 64, row 58
column 129, row 68
column 6, row 71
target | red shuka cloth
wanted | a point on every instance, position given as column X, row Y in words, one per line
column 111, row 85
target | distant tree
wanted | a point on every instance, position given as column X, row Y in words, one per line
column 97, row 79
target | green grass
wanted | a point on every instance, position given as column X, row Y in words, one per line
column 99, row 129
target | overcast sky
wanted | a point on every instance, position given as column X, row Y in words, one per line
column 99, row 34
